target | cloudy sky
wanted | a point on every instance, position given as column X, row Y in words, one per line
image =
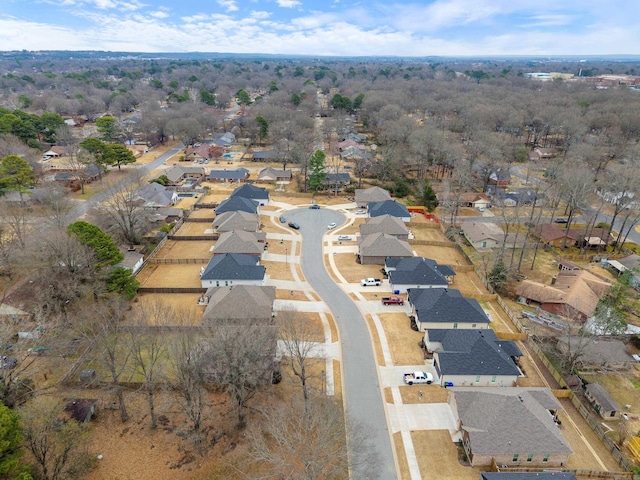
column 325, row 27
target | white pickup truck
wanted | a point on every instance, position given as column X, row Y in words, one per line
column 370, row 282
column 418, row 377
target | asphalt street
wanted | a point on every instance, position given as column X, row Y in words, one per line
column 361, row 387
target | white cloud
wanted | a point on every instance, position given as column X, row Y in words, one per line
column 159, row 14
column 230, row 5
column 288, row 3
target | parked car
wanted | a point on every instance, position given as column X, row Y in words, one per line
column 8, row 363
column 392, row 301
column 361, row 212
column 370, row 282
column 314, row 206
column 481, row 209
column 561, row 220
column 331, row 226
column 418, row 377
column 344, row 237
column 282, row 219
column 294, row 225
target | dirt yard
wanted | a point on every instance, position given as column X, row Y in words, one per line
column 442, row 255
column 194, row 228
column 186, row 249
column 352, row 271
column 184, row 303
column 171, row 276
column 403, row 342
column 438, row 458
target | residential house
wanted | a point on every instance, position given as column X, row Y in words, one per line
column 258, row 194
column 553, row 235
column 564, row 264
column 572, row 293
column 602, row 401
column 474, row 200
column 56, row 151
column 179, row 174
column 598, row 352
column 225, row 140
column 500, row 177
column 388, row 224
column 132, row 260
column 483, row 236
column 232, row 269
column 274, row 175
column 201, row 152
column 349, row 143
column 512, row 426
column 154, row 196
column 240, row 241
column 389, row 207
column 352, row 153
column 336, row 180
column 81, row 409
column 239, row 305
column 417, row 272
column 236, row 220
column 540, row 153
column 234, row 204
column 470, row 357
column 374, row 249
column 86, row 174
column 232, row 176
column 364, row 196
column 445, row 308
column 265, row 156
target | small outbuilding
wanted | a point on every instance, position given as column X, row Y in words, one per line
column 602, row 401
column 81, row 409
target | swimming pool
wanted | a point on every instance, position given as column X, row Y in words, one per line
column 228, row 155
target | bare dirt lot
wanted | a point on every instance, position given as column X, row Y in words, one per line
column 194, row 228
column 186, row 249
column 403, row 342
column 184, row 303
column 171, row 276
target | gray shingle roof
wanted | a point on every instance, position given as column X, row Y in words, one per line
column 237, row 174
column 372, row 194
column 249, row 191
column 383, row 245
column 233, row 266
column 240, row 302
column 241, row 204
column 384, row 224
column 601, row 396
column 237, row 220
column 510, row 420
column 416, row 271
column 445, row 305
column 240, row 241
column 474, row 352
column 388, row 207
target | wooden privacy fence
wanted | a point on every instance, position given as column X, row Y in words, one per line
column 580, row 473
column 432, row 243
column 180, row 238
column 198, row 220
column 178, row 261
column 172, row 290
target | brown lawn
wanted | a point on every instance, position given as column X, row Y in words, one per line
column 429, row 234
column 186, row 202
column 185, row 304
column 403, row 465
column 312, row 319
column 438, row 457
column 171, row 276
column 403, row 342
column 442, row 255
column 194, row 228
column 291, row 295
column 430, row 394
column 202, row 213
column 352, row 271
column 278, row 270
column 468, row 283
column 186, row 249
column 280, row 248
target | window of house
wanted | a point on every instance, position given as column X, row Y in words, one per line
column 545, row 458
column 473, row 325
column 455, row 325
column 493, row 379
column 529, row 457
column 515, row 457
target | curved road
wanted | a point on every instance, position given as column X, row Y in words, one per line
column 362, row 394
